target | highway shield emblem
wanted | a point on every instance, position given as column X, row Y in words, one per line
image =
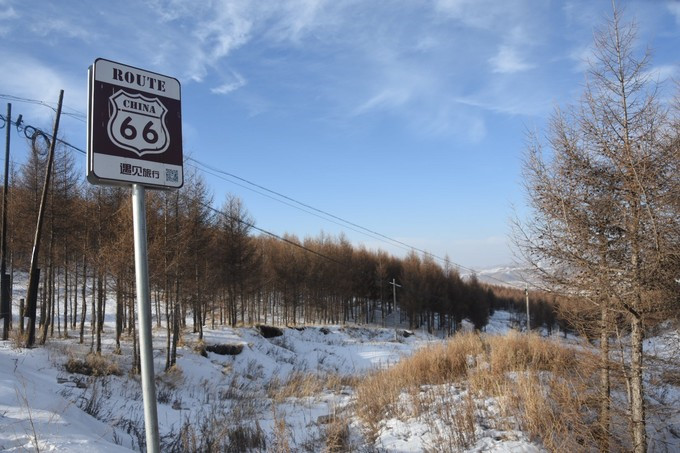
column 137, row 123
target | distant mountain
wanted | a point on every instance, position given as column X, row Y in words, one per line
column 510, row 275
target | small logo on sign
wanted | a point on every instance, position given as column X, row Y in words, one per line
column 137, row 123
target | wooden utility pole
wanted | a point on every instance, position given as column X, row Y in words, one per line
column 34, row 275
column 526, row 296
column 394, row 306
column 5, row 297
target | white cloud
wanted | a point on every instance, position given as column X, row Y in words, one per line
column 61, row 27
column 661, row 73
column 345, row 59
column 508, row 61
column 582, row 57
column 298, row 18
column 475, row 13
column 8, row 13
column 674, row 9
column 26, row 77
column 229, row 87
column 385, row 99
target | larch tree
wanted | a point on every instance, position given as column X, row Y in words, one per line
column 603, row 227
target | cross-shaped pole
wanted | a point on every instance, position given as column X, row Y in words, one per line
column 394, row 297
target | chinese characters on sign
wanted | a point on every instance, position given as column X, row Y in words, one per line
column 136, row 170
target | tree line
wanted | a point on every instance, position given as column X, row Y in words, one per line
column 208, row 267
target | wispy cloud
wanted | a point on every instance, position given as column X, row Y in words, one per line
column 674, row 8
column 438, row 66
column 226, row 88
column 476, row 13
column 7, row 12
column 508, row 61
column 662, row 73
column 27, row 77
column 385, row 99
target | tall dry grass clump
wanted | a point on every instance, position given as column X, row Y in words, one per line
column 306, row 385
column 92, row 365
column 520, row 352
column 542, row 387
column 296, row 385
column 378, row 396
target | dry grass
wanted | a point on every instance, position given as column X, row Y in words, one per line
column 337, row 435
column 307, row 385
column 541, row 387
column 378, row 396
column 518, row 352
column 297, row 385
column 281, row 437
column 18, row 339
column 93, row 365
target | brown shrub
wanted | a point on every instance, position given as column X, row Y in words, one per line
column 93, row 365
column 225, row 349
column 269, row 331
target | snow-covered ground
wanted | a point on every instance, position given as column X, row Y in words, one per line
column 42, row 406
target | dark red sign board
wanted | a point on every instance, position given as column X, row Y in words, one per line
column 134, row 133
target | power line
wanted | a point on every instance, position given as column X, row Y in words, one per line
column 269, row 233
column 32, row 132
column 299, row 208
column 73, row 113
column 364, row 230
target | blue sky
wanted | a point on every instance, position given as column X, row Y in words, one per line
column 406, row 117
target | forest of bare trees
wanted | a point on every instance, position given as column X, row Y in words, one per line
column 209, row 267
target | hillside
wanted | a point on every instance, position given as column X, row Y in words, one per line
column 301, row 391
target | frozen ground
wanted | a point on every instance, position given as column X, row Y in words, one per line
column 44, row 407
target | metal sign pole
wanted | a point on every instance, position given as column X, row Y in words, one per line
column 144, row 309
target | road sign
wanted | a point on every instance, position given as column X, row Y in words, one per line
column 134, row 127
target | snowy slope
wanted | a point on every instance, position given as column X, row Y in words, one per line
column 42, row 404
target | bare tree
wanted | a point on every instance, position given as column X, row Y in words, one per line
column 603, row 228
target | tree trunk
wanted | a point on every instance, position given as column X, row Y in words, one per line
column 120, row 308
column 175, row 323
column 47, row 298
column 605, row 385
column 175, row 334
column 168, row 324
column 99, row 325
column 66, row 299
column 74, row 311
column 93, row 316
column 637, row 403
column 83, row 312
